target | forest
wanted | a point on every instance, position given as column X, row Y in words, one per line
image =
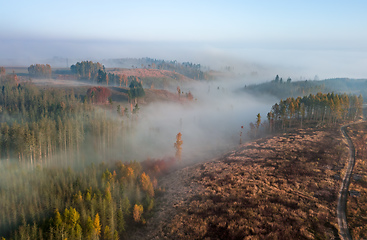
column 40, row 71
column 53, row 187
column 45, row 136
column 312, row 110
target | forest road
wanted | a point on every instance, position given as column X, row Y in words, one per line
column 343, row 193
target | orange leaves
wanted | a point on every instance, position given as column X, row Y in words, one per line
column 178, row 146
column 130, row 172
column 98, row 94
column 137, row 212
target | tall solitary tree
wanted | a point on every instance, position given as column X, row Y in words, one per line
column 258, row 122
column 178, row 146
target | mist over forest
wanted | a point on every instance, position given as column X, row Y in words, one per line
column 65, row 121
column 105, row 137
column 183, row 120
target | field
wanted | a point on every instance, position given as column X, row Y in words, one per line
column 282, row 187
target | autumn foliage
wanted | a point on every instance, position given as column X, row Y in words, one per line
column 146, row 184
column 98, row 94
column 40, row 70
column 138, row 210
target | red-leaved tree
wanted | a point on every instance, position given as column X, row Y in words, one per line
column 98, row 94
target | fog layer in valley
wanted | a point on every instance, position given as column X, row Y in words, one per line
column 210, row 124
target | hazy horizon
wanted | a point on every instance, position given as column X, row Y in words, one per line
column 296, row 39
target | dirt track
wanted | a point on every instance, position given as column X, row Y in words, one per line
column 343, row 194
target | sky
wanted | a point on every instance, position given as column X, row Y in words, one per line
column 298, row 38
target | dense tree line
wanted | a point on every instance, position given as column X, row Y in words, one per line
column 87, row 70
column 40, row 71
column 96, row 72
column 324, row 108
column 37, row 124
column 187, row 69
column 319, row 109
column 99, row 202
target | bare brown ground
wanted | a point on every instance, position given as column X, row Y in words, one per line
column 282, row 187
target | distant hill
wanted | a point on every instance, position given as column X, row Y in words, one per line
column 284, row 90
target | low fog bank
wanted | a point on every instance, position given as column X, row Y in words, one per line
column 210, row 125
column 258, row 61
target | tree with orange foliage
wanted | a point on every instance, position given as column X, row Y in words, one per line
column 137, row 212
column 178, row 146
column 190, row 96
column 98, row 94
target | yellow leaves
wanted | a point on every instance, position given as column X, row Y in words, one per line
column 130, row 172
column 107, row 233
column 107, row 194
column 71, row 217
column 57, row 219
column 97, row 225
column 146, row 184
column 78, row 197
column 108, row 176
column 88, row 197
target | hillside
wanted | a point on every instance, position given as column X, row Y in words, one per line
column 118, row 94
column 155, row 78
column 282, row 187
column 283, row 90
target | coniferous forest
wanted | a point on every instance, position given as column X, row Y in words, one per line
column 312, row 110
column 52, row 191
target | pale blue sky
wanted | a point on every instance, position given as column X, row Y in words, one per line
column 38, row 28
